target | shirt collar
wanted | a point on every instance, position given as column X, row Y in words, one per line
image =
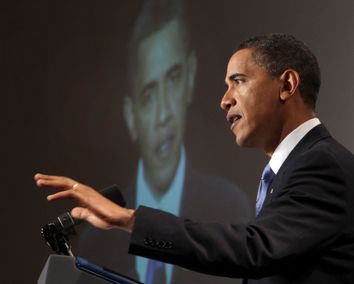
column 289, row 142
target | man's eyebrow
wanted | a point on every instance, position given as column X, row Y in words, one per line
column 148, row 86
column 173, row 68
column 236, row 75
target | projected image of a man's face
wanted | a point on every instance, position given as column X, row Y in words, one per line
column 156, row 112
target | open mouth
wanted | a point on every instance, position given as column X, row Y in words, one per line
column 234, row 118
column 164, row 148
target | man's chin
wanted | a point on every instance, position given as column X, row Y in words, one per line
column 239, row 141
column 163, row 185
column 243, row 142
column 163, row 177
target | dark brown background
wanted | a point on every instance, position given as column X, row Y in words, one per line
column 63, row 77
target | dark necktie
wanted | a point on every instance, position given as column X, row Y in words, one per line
column 156, row 273
column 267, row 177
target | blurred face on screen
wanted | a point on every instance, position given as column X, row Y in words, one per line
column 156, row 111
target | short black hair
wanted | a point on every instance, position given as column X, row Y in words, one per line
column 278, row 52
column 153, row 16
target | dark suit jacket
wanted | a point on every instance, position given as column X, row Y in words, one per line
column 304, row 233
column 204, row 198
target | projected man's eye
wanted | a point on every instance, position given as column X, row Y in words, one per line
column 174, row 79
column 148, row 95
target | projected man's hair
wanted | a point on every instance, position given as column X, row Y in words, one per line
column 153, row 16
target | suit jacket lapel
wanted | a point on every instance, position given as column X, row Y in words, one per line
column 312, row 137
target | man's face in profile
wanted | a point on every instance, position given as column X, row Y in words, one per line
column 156, row 111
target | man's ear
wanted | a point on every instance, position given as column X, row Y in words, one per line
column 192, row 70
column 290, row 82
column 129, row 117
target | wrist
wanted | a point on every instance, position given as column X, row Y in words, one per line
column 130, row 220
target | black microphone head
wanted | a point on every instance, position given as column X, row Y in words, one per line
column 56, row 234
column 65, row 221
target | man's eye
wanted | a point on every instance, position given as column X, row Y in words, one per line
column 238, row 80
column 174, row 78
column 148, row 95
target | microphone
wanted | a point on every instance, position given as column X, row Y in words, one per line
column 57, row 233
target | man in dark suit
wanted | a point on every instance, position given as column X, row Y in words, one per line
column 162, row 68
column 303, row 231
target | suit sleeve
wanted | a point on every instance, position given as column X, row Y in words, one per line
column 303, row 218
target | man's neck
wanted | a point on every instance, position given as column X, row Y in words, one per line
column 290, row 125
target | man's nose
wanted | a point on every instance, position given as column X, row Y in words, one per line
column 227, row 101
column 164, row 107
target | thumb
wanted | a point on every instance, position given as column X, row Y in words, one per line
column 79, row 213
column 87, row 215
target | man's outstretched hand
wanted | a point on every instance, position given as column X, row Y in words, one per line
column 94, row 207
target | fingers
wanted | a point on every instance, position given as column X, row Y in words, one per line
column 68, row 188
column 60, row 182
column 95, row 208
column 61, row 195
column 44, row 176
column 79, row 192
